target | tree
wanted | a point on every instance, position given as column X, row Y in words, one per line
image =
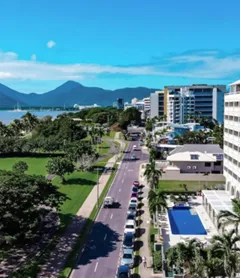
column 152, row 174
column 29, row 121
column 129, row 115
column 25, row 201
column 20, row 167
column 60, row 166
column 218, row 133
column 226, row 246
column 157, row 201
column 149, row 125
column 226, row 217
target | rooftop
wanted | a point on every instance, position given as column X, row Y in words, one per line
column 202, row 148
column 235, row 83
column 218, row 199
column 191, row 156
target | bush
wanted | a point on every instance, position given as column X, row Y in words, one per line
column 157, row 261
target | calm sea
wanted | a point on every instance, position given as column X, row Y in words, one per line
column 7, row 117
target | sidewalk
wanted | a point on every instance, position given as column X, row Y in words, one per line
column 57, row 258
column 145, row 272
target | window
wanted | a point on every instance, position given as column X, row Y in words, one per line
column 207, row 164
column 226, row 104
column 230, row 131
column 230, row 118
column 194, row 156
column 226, row 117
column 235, row 104
column 235, row 119
column 217, row 163
column 226, row 130
column 236, row 133
column 235, row 147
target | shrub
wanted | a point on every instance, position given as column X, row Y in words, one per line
column 157, row 261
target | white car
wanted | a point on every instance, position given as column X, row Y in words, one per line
column 133, row 200
column 130, row 227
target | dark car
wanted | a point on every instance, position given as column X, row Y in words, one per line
column 123, row 271
column 128, row 241
column 134, row 195
column 135, row 189
column 131, row 216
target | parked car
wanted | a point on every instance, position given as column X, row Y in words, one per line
column 130, row 226
column 128, row 241
column 133, row 200
column 136, row 183
column 123, row 272
column 134, row 195
column 134, row 189
column 128, row 258
column 132, row 208
column 131, row 215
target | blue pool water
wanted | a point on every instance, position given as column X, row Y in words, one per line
column 183, row 222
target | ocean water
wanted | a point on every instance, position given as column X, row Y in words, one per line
column 7, row 117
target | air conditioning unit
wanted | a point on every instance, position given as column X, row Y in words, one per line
column 189, row 167
column 194, row 167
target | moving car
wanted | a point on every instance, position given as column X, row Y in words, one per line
column 136, row 183
column 133, row 200
column 133, row 157
column 123, row 271
column 134, row 147
column 108, row 202
column 128, row 258
column 128, row 241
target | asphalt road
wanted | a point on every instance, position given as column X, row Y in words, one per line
column 101, row 255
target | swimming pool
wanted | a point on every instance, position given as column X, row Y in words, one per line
column 184, row 221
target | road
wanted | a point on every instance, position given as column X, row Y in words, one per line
column 101, row 254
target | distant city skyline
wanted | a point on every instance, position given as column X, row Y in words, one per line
column 116, row 44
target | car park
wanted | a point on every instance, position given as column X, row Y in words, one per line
column 130, row 226
column 128, row 241
column 123, row 272
column 128, row 257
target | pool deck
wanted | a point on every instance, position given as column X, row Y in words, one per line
column 171, row 240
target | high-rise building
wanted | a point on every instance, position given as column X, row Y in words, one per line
column 197, row 99
column 158, row 104
column 119, row 104
column 232, row 140
column 147, row 104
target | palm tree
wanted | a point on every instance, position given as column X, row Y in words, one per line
column 29, row 121
column 152, row 174
column 226, row 246
column 226, row 217
column 157, row 201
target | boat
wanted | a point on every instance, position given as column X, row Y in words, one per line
column 18, row 109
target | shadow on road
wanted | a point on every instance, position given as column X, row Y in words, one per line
column 96, row 246
column 116, row 205
column 140, row 231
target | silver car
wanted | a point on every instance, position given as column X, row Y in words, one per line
column 128, row 257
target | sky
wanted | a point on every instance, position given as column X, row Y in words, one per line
column 118, row 43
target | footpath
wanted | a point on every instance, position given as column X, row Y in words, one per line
column 58, row 256
column 145, row 272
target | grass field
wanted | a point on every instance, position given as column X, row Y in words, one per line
column 172, row 185
column 36, row 166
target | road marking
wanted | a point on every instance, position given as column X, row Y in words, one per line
column 111, row 216
column 95, row 269
column 122, row 181
column 119, row 190
column 105, row 237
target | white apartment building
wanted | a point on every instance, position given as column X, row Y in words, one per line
column 147, row 104
column 232, row 139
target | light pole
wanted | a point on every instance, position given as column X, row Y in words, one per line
column 98, row 179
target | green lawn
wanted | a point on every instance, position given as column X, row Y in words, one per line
column 170, row 185
column 103, row 148
column 36, row 165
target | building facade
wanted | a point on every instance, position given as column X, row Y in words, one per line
column 197, row 99
column 157, row 104
column 232, row 139
column 119, row 103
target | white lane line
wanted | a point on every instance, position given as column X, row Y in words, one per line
column 95, row 269
column 105, row 237
column 111, row 216
column 119, row 190
column 122, row 181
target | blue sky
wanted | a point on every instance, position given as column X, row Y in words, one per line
column 118, row 43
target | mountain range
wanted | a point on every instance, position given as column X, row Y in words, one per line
column 68, row 94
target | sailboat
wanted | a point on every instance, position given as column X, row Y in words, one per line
column 18, row 109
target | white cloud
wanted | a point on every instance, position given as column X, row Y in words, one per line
column 196, row 66
column 51, row 44
column 34, row 57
